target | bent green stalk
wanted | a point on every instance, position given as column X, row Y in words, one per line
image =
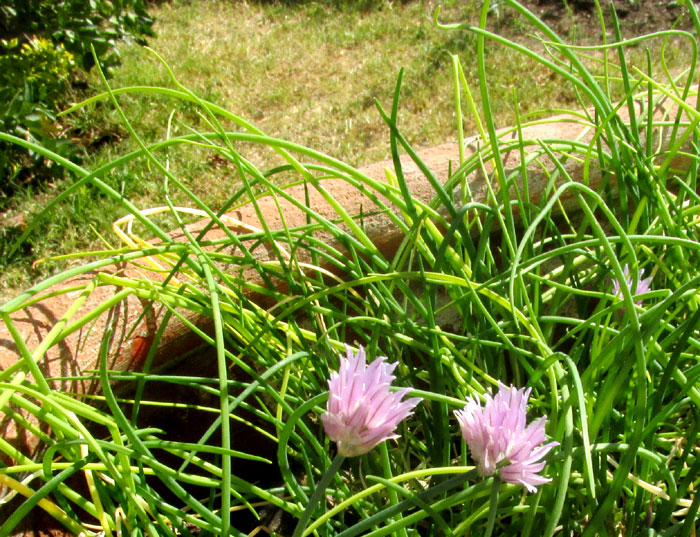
column 319, row 492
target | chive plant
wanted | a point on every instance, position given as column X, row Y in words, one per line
column 543, row 296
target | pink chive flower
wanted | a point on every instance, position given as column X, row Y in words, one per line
column 362, row 412
column 499, row 440
column 643, row 285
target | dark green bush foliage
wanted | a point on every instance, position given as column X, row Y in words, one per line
column 44, row 44
column 77, row 24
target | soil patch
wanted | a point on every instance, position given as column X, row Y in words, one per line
column 580, row 18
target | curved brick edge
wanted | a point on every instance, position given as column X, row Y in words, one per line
column 135, row 328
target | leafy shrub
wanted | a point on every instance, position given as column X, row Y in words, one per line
column 43, row 45
column 34, row 77
column 77, row 25
column 38, row 62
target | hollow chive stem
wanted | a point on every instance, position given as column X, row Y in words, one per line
column 493, row 506
column 317, row 494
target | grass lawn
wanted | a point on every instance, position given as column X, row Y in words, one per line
column 306, row 72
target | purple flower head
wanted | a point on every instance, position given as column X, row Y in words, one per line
column 499, row 440
column 361, row 411
column 643, row 285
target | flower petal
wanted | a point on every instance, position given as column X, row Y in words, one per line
column 362, row 411
column 497, row 432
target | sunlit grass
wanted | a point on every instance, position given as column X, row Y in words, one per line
column 306, row 72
